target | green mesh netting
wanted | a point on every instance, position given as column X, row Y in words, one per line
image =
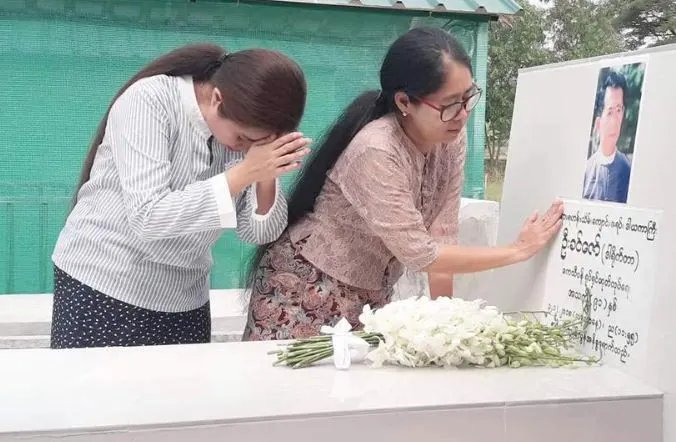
column 62, row 60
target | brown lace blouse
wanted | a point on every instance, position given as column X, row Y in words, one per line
column 385, row 205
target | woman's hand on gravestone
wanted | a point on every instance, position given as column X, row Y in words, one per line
column 538, row 231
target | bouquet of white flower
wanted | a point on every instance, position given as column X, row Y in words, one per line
column 449, row 332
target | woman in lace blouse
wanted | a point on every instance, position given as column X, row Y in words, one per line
column 382, row 193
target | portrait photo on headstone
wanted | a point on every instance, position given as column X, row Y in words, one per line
column 612, row 140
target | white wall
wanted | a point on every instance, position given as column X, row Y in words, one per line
column 25, row 320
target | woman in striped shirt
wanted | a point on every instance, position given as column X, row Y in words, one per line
column 193, row 144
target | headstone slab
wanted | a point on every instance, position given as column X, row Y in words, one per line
column 554, row 135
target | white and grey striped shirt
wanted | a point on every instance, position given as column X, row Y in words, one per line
column 157, row 201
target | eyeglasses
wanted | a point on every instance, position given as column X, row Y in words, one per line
column 449, row 112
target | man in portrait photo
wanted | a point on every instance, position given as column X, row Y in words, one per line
column 608, row 170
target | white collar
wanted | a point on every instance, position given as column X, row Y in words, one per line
column 603, row 159
column 192, row 109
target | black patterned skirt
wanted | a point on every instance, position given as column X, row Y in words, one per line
column 292, row 299
column 83, row 317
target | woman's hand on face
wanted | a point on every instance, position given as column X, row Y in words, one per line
column 267, row 160
column 273, row 157
column 538, row 231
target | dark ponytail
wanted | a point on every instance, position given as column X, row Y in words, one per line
column 415, row 65
column 200, row 61
column 262, row 88
column 367, row 107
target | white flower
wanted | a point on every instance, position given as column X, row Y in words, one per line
column 446, row 331
column 451, row 332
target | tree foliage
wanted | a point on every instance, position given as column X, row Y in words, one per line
column 581, row 29
column 645, row 22
column 514, row 45
column 562, row 30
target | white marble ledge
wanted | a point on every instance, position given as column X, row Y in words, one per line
column 30, row 315
column 76, row 392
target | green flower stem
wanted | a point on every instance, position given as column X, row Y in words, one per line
column 529, row 342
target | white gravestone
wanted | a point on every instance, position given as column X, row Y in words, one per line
column 478, row 226
column 558, row 131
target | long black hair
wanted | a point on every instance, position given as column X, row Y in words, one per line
column 262, row 88
column 414, row 64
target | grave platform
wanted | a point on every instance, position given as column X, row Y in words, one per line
column 231, row 391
